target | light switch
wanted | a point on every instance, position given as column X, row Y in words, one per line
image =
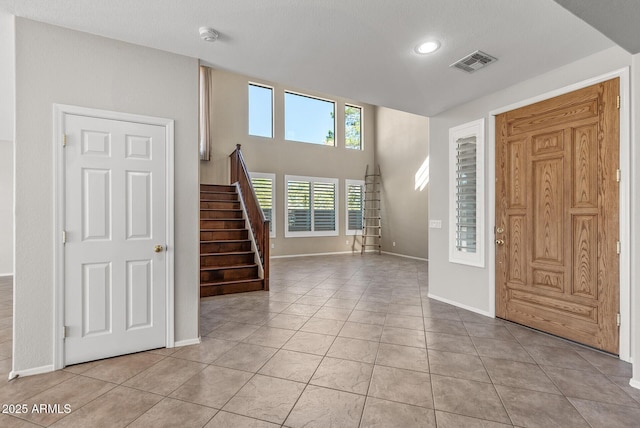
column 435, row 224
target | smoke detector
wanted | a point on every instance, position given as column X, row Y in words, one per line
column 208, row 34
column 474, row 61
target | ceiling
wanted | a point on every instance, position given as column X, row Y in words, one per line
column 618, row 19
column 359, row 49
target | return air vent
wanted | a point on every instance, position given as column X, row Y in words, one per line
column 474, row 61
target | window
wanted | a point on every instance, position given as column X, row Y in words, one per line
column 311, row 206
column 355, row 200
column 466, row 187
column 352, row 127
column 260, row 110
column 265, row 187
column 309, row 120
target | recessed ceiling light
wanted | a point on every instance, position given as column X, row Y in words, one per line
column 208, row 34
column 427, row 47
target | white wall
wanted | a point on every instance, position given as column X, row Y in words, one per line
column 56, row 65
column 6, row 208
column 471, row 286
column 7, row 58
column 402, row 147
column 7, row 105
column 635, row 227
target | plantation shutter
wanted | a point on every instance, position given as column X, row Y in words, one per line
column 354, row 206
column 324, row 206
column 465, row 196
column 264, row 192
column 298, row 206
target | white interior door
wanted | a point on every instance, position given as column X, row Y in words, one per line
column 115, row 217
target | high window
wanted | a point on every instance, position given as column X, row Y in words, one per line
column 352, row 127
column 265, row 187
column 354, row 190
column 311, row 205
column 260, row 110
column 309, row 119
column 466, row 187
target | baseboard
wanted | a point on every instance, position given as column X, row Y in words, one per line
column 30, row 372
column 288, row 256
column 634, row 383
column 405, row 256
column 187, row 342
column 2, row 275
column 460, row 305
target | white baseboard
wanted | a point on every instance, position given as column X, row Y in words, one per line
column 30, row 372
column 2, row 275
column 460, row 305
column 313, row 254
column 405, row 256
column 634, row 383
column 187, row 342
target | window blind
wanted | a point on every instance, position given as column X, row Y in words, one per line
column 324, row 206
column 264, row 192
column 299, row 205
column 354, row 206
column 465, row 196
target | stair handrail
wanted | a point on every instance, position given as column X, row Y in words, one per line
column 259, row 223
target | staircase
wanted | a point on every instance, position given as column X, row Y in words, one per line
column 227, row 260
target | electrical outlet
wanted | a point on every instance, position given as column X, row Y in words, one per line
column 273, row 245
column 394, row 243
column 435, row 224
column 347, row 242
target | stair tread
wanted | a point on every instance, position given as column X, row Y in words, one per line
column 230, row 253
column 205, row 268
column 225, row 240
column 235, row 281
column 221, row 209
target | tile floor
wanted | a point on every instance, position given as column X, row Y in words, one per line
column 339, row 341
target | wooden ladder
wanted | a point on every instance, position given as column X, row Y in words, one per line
column 371, row 221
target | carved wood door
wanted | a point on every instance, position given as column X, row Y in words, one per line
column 557, row 267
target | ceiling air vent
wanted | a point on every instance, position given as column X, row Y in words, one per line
column 474, row 61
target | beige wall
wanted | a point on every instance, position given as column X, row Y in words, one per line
column 56, row 65
column 229, row 123
column 6, row 208
column 402, row 148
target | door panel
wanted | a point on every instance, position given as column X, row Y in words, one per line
column 115, row 214
column 557, row 206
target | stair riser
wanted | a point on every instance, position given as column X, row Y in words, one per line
column 216, row 290
column 217, row 188
column 220, row 235
column 224, row 247
column 208, row 215
column 222, row 224
column 220, row 275
column 220, row 205
column 205, row 196
column 226, row 260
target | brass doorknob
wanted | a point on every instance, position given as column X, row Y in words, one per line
column 158, row 248
column 499, row 241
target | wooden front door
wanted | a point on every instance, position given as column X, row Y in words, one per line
column 557, row 215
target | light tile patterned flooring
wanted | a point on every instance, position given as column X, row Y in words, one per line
column 339, row 341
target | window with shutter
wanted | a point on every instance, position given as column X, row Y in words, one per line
column 466, row 216
column 265, row 188
column 311, row 206
column 354, row 203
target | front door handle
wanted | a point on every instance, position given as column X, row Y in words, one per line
column 499, row 241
